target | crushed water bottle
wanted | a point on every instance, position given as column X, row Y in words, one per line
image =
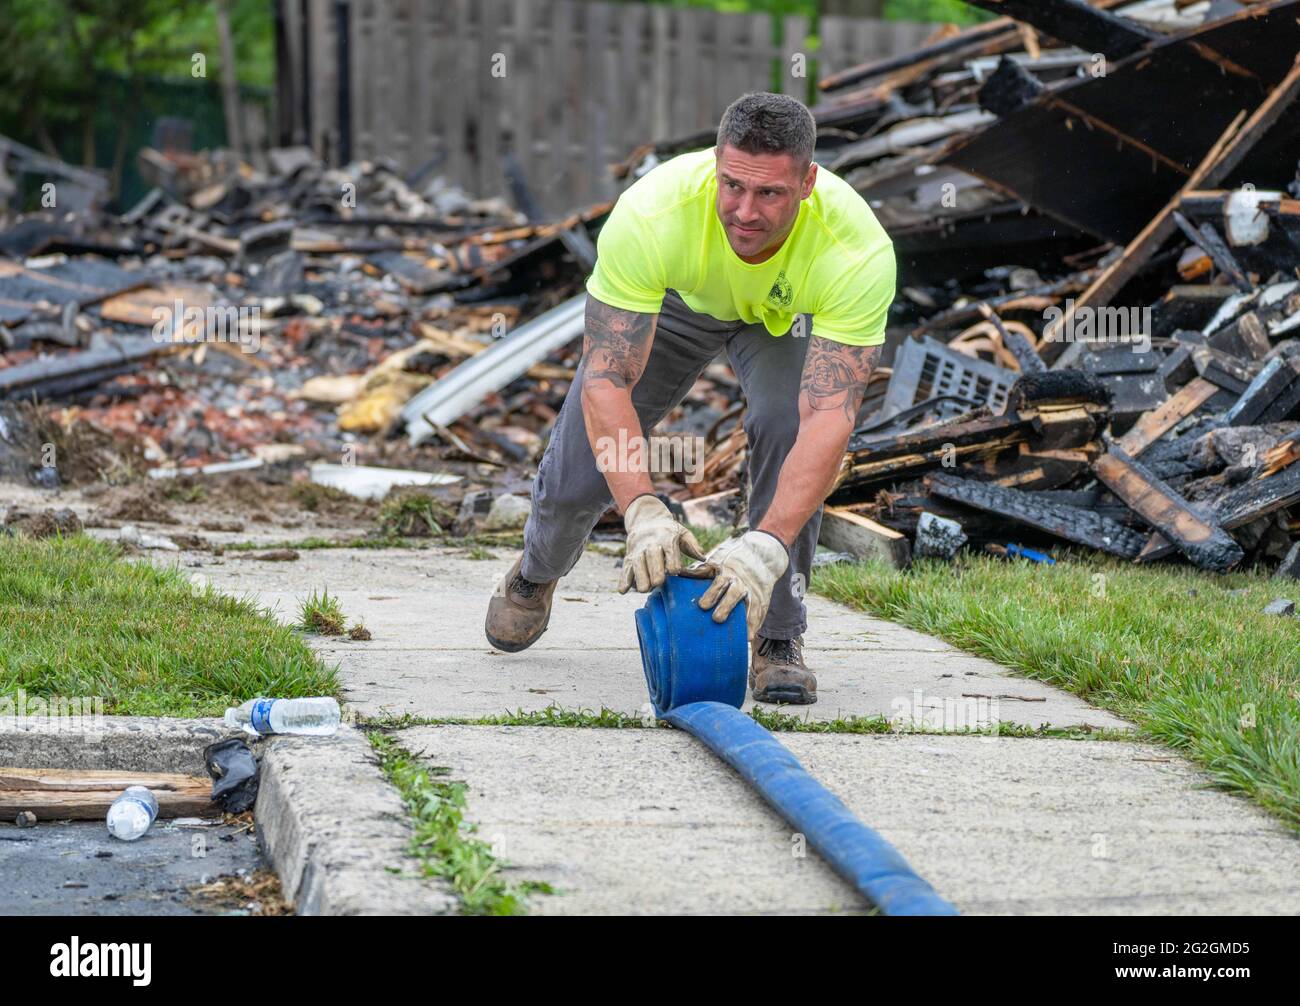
column 259, row 717
column 132, row 813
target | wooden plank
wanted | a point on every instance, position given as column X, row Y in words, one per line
column 969, row 42
column 494, row 97
column 1205, row 544
column 86, row 794
column 322, row 91
column 794, row 33
column 92, row 805
column 87, row 780
column 845, row 531
column 1118, row 273
column 595, row 116
column 399, row 83
column 420, row 86
column 563, row 113
column 454, row 96
column 663, row 66
column 634, row 109
column 293, row 77
column 1151, row 426
column 687, row 87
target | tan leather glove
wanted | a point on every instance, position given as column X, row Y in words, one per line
column 748, row 568
column 655, row 542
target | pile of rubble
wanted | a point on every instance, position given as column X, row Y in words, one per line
column 1035, row 176
column 1035, row 173
column 1096, row 212
column 249, row 317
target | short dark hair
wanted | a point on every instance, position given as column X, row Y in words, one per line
column 767, row 123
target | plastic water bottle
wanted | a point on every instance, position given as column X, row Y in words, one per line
column 132, row 813
column 286, row 716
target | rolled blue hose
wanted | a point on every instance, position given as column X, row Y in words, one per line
column 686, row 655
column 696, row 671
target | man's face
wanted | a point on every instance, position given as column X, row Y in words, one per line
column 758, row 199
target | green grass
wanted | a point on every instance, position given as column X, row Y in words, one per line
column 551, row 716
column 310, row 544
column 76, row 620
column 443, row 840
column 497, row 539
column 413, row 513
column 709, row 537
column 321, row 613
column 774, row 720
column 1168, row 647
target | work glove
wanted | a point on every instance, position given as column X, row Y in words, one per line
column 655, row 542
column 747, row 570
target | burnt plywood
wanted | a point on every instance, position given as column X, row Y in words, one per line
column 1191, row 87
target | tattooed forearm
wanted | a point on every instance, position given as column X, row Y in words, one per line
column 616, row 344
column 835, row 375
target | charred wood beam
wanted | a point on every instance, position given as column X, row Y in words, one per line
column 1010, row 88
column 1048, row 426
column 1077, row 23
column 1156, row 423
column 1227, row 371
column 1257, row 498
column 77, row 370
column 967, row 43
column 1271, row 396
column 1203, row 542
column 1072, row 523
column 1207, row 239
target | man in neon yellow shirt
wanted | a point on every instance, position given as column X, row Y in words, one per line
column 723, row 249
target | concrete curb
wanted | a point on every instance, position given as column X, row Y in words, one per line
column 121, row 743
column 334, row 828
column 329, row 822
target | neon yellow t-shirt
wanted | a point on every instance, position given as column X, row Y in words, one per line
column 837, row 263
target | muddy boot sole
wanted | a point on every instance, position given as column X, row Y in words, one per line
column 501, row 644
column 795, row 695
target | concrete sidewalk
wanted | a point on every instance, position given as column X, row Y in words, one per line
column 429, row 656
column 648, row 821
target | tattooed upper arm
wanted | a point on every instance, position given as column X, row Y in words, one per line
column 616, row 344
column 835, row 376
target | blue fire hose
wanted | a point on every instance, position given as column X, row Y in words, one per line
column 696, row 671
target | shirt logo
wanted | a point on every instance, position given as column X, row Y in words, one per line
column 781, row 294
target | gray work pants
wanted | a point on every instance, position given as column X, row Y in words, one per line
column 570, row 492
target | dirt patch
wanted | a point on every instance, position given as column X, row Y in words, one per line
column 84, row 452
column 256, row 893
column 43, row 523
column 133, row 504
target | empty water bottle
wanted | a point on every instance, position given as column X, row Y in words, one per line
column 286, row 716
column 132, row 813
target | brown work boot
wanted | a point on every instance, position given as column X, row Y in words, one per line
column 778, row 673
column 519, row 611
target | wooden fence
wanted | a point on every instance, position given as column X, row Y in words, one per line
column 569, row 86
